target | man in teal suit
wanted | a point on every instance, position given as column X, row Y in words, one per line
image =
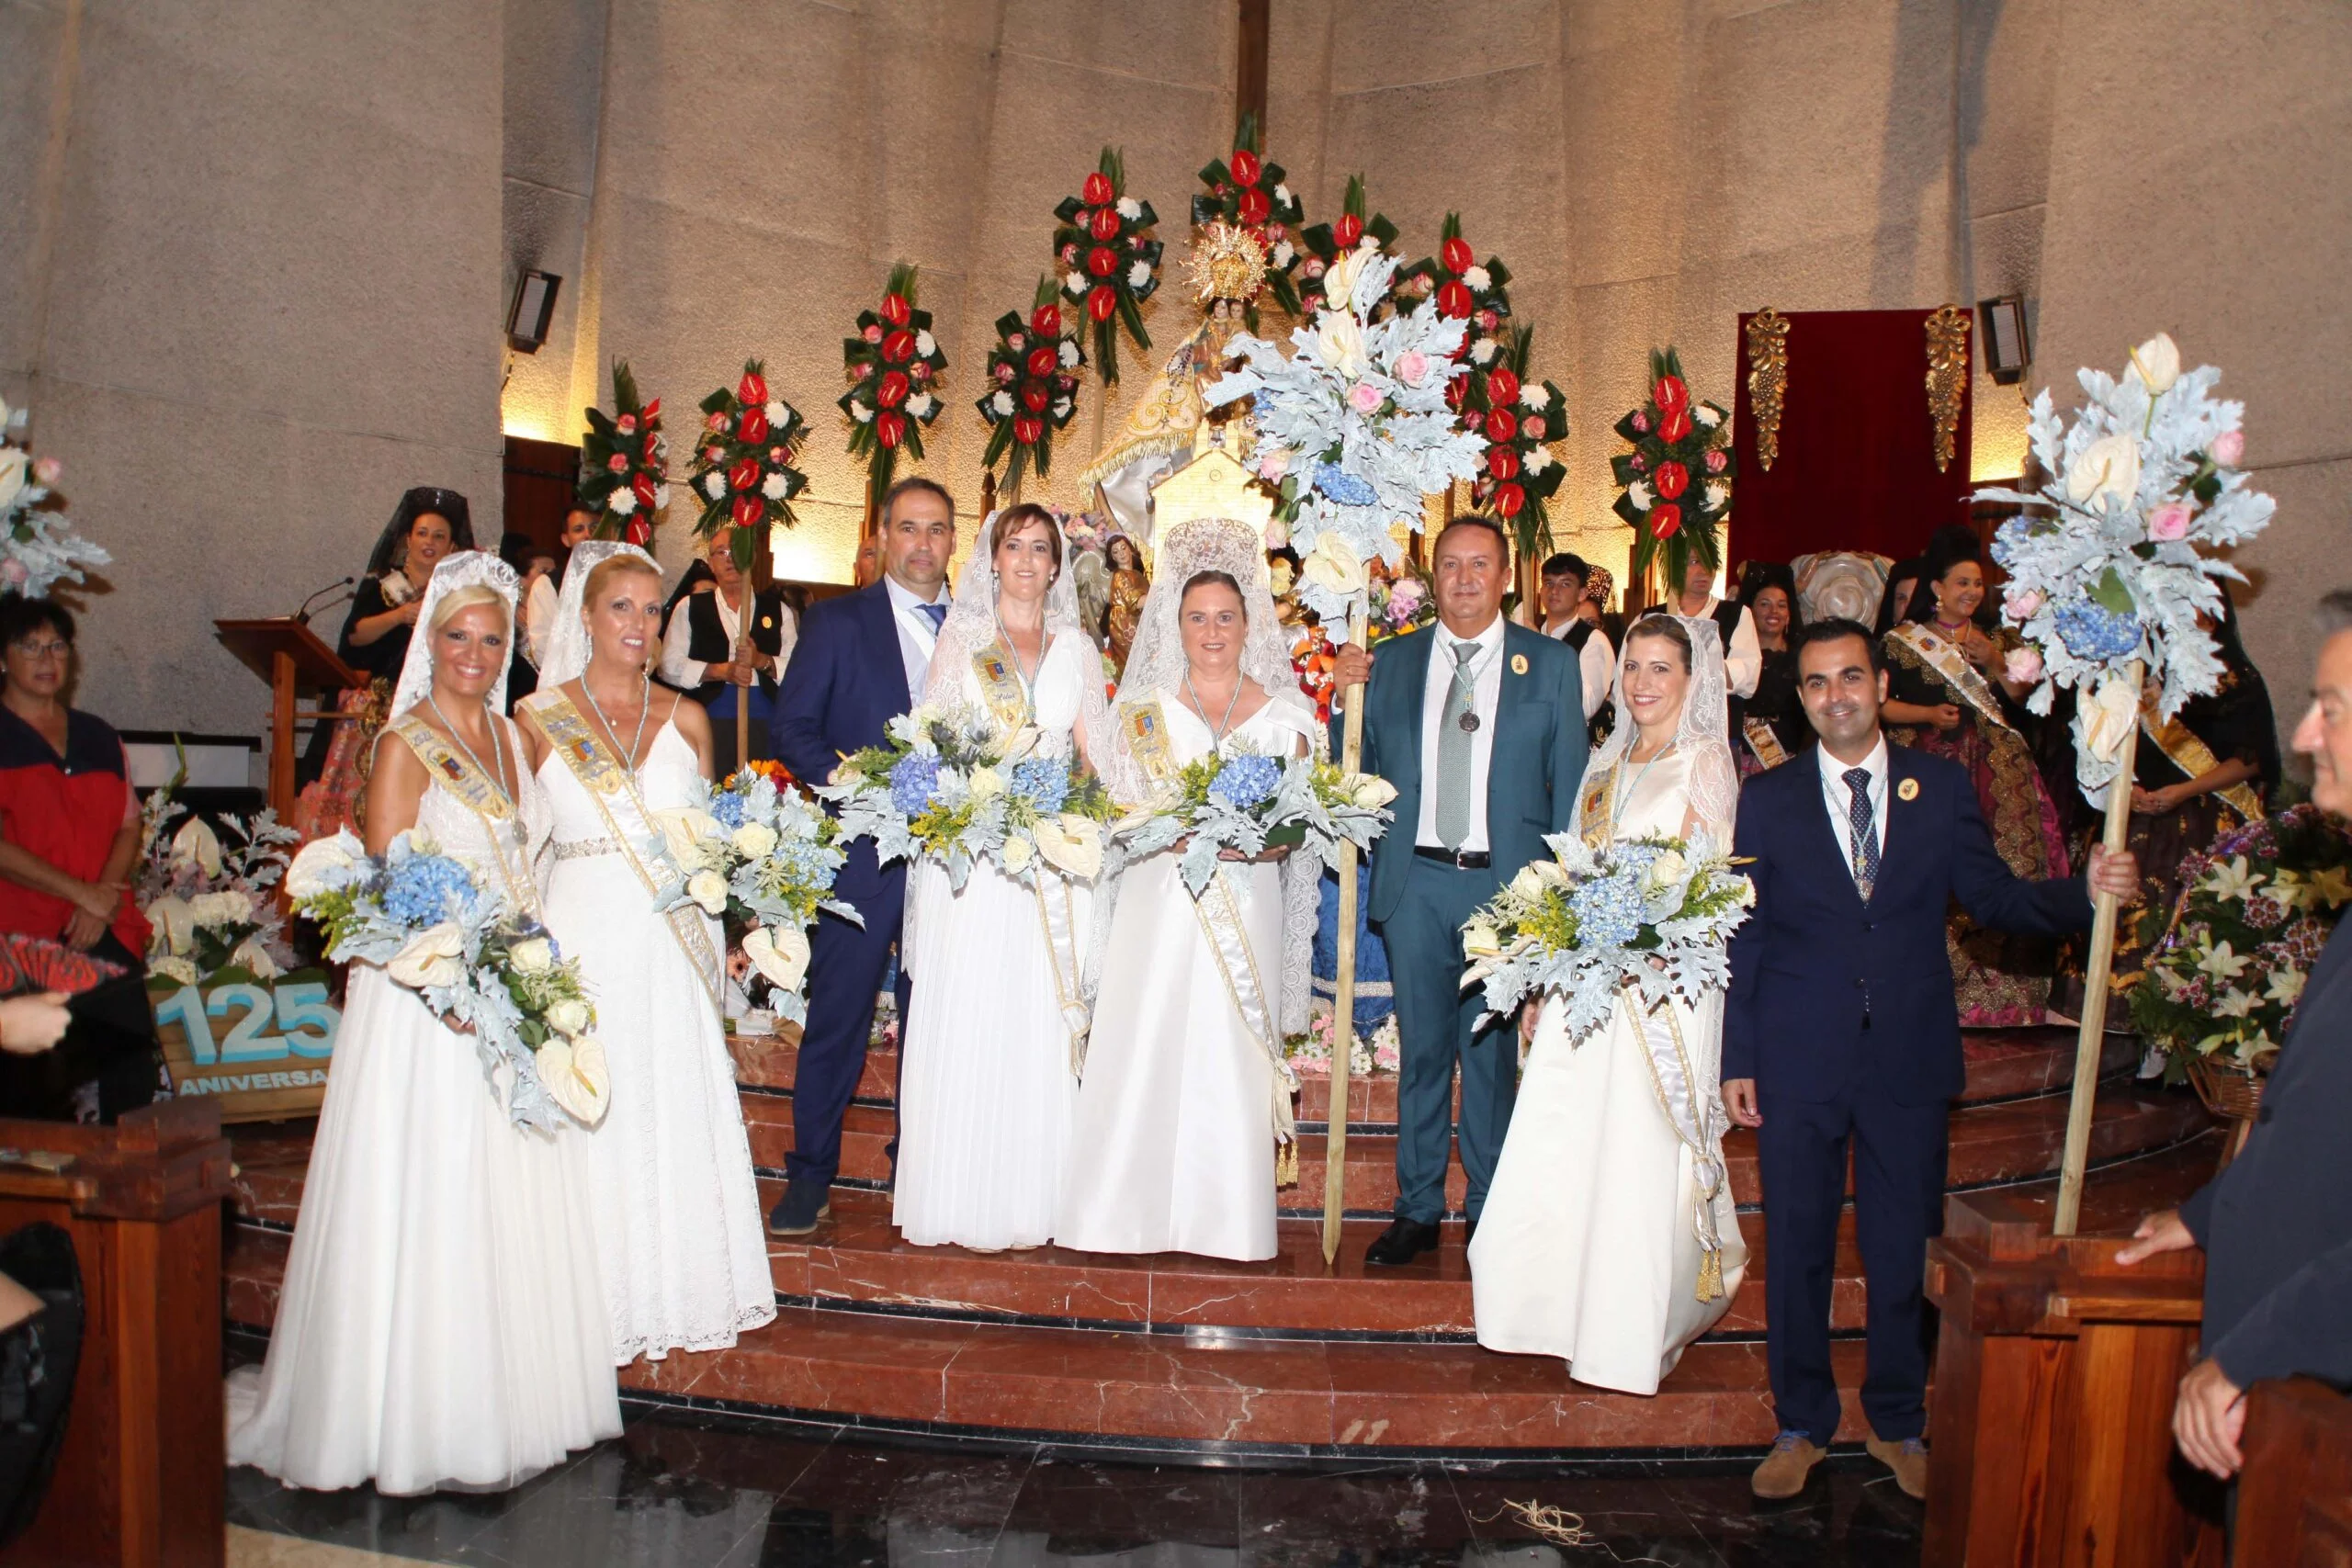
column 1479, row 724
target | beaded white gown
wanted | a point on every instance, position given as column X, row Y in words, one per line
column 677, row 1211
column 988, row 1083
column 442, row 1322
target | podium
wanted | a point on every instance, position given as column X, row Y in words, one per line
column 2050, row 1432
column 284, row 651
column 138, row 1478
column 2295, row 1496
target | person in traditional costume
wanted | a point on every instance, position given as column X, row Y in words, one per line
column 1186, row 1095
column 1569, row 615
column 1950, row 695
column 1609, row 1238
column 726, row 648
column 996, row 1025
column 428, row 525
column 1773, row 726
column 677, row 1212
column 442, row 1324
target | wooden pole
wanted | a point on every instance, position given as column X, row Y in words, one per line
column 2104, row 907
column 744, row 619
column 1343, row 1003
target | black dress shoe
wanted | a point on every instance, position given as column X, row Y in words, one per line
column 1470, row 1233
column 1403, row 1241
column 804, row 1204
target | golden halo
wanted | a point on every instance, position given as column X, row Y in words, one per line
column 1227, row 262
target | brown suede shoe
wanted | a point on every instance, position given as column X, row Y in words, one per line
column 1907, row 1459
column 1785, row 1470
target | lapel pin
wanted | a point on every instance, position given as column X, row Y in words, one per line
column 766, row 622
column 1519, row 664
column 1907, row 790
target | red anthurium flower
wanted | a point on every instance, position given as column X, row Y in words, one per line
column 899, row 348
column 1104, row 224
column 1673, row 478
column 1670, row 394
column 753, row 426
column 751, row 389
column 1510, row 499
column 1346, row 231
column 1454, row 299
column 640, row 530
column 1455, row 391
column 653, row 411
column 1042, row 361
column 1102, row 302
column 1501, row 425
column 1101, row 260
column 1027, row 428
column 747, row 509
column 642, row 487
column 1502, row 462
column 1675, row 427
column 1666, row 520
column 1046, row 320
column 1455, row 254
column 893, row 390
column 1246, row 168
column 1502, row 386
column 1256, row 207
column 896, row 310
column 1096, row 191
column 889, row 428
column 744, row 474
column 652, row 443
column 1035, row 396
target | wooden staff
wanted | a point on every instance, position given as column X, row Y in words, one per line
column 743, row 694
column 2089, row 1041
column 1343, row 1004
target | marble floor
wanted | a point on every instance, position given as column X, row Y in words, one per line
column 667, row 1496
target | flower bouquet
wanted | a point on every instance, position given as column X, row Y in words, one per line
column 210, row 905
column 1518, row 417
column 1476, row 296
column 2253, row 912
column 1250, row 804
column 625, row 462
column 1678, row 477
column 1110, row 267
column 1378, row 1051
column 945, row 785
column 476, row 963
column 1246, row 193
column 1327, row 242
column 39, row 549
column 1651, row 914
column 1033, row 386
column 891, row 364
column 764, row 860
column 743, row 466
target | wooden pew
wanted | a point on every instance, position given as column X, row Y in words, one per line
column 2295, row 1497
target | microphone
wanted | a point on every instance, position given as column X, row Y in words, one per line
column 303, row 615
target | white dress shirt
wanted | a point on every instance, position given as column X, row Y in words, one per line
column 1487, row 690
column 917, row 636
column 1595, row 661
column 1744, row 659
column 539, row 611
column 685, row 671
column 1840, row 798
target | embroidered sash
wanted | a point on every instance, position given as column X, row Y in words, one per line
column 1953, row 666
column 1001, row 688
column 606, row 781
column 486, row 798
column 1696, row 1123
column 1057, row 917
column 1147, row 731
column 1765, row 744
column 2186, row 752
column 1595, row 807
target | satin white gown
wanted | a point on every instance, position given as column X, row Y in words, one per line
column 986, row 1084
column 1174, row 1150
column 442, row 1322
column 677, row 1212
column 1586, row 1250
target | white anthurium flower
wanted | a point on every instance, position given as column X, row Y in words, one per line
column 13, row 463
column 780, row 954
column 684, row 828
column 196, row 843
column 534, row 955
column 708, row 889
column 434, row 957
column 255, row 959
column 1333, row 566
column 1480, row 279
column 174, row 921
column 753, row 840
column 1075, row 283
column 2108, row 467
column 2158, row 364
column 573, row 1070
column 1138, row 275
column 1067, row 353
column 1001, row 402
column 925, row 344
column 772, row 487
column 1071, row 844
column 1129, row 207
column 1342, row 338
column 1534, row 396
column 1638, row 492
column 323, row 864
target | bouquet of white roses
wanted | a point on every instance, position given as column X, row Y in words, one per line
column 1653, row 913
column 764, row 860
column 210, row 902
column 1249, row 804
column 945, row 785
column 427, row 919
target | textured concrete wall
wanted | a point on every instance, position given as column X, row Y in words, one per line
column 249, row 283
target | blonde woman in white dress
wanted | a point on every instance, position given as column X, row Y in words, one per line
column 988, row 1073
column 1609, row 1238
column 677, row 1212
column 442, row 1322
column 1186, row 1094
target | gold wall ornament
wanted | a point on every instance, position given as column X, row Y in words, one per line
column 1947, row 376
column 1768, row 379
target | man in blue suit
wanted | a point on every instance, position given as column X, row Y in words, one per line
column 1480, row 725
column 1842, row 1031
column 860, row 662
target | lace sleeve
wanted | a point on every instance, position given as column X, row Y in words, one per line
column 942, row 685
column 1093, row 727
column 1714, row 808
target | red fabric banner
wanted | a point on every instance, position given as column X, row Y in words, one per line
column 1857, row 466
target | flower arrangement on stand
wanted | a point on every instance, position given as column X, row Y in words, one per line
column 1478, row 296
column 742, row 467
column 2146, row 482
column 764, row 860
column 1676, row 480
column 945, row 785
column 435, row 929
column 1246, row 192
column 214, row 905
column 1110, row 263
column 893, row 365
column 625, row 463
column 1325, row 243
column 1033, row 386
column 39, row 549
column 1521, row 417
column 1250, row 804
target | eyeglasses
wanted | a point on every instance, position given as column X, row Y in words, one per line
column 55, row 649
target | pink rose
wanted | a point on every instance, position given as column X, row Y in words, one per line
column 2024, row 606
column 922, row 370
column 48, row 471
column 1717, row 461
column 1488, row 321
column 1641, row 422
column 14, row 572
column 1273, row 465
column 1016, row 342
column 717, row 420
column 1411, row 365
column 1313, row 267
column 1069, row 255
column 2169, row 521
column 1638, row 463
column 1532, row 427
column 2023, row 667
column 1364, row 397
column 1007, row 374
column 2229, row 448
column 873, row 332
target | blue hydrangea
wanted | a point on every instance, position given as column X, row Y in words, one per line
column 1247, row 781
column 1347, row 489
column 804, row 862
column 422, row 890
column 1607, row 910
column 1044, row 781
column 914, row 781
column 2093, row 632
column 728, row 810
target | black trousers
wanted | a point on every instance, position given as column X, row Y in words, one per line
column 1898, row 1157
column 110, row 1041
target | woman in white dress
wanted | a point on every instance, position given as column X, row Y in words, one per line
column 1186, row 1093
column 441, row 1323
column 677, row 1212
column 989, row 1071
column 1609, row 1238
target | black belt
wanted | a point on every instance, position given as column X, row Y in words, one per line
column 1460, row 859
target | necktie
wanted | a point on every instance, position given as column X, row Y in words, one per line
column 1865, row 841
column 938, row 613
column 1453, row 751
